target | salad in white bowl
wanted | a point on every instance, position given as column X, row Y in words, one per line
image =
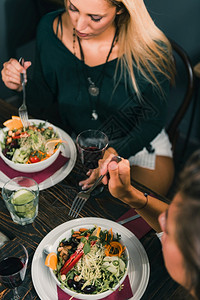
column 32, row 149
column 89, row 263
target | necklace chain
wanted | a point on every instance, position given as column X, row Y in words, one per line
column 93, row 89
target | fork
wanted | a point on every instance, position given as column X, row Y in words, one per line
column 83, row 196
column 23, row 113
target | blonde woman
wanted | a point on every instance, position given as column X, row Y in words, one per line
column 103, row 64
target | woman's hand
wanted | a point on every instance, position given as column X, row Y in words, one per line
column 120, row 187
column 94, row 174
column 11, row 73
column 119, row 183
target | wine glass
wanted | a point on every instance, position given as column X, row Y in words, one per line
column 13, row 265
column 91, row 146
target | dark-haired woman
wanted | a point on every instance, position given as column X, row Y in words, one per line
column 178, row 224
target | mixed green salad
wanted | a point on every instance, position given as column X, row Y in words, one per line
column 28, row 146
column 91, row 261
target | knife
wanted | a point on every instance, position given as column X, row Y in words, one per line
column 128, row 219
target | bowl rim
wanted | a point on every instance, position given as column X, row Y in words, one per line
column 86, row 296
column 29, row 165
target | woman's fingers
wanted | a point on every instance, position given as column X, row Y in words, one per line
column 27, row 64
column 119, row 172
column 113, row 171
column 119, row 183
column 11, row 73
column 94, row 174
column 124, row 172
column 87, row 183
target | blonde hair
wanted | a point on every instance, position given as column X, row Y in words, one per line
column 140, row 39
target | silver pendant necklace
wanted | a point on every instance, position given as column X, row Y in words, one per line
column 93, row 89
column 94, row 115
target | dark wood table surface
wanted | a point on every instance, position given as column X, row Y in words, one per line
column 54, row 205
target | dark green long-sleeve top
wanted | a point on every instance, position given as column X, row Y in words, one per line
column 58, row 92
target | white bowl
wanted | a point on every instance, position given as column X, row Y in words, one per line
column 66, row 236
column 30, row 168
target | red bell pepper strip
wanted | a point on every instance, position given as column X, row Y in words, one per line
column 22, row 135
column 66, row 268
column 74, row 258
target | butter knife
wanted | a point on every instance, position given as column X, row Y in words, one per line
column 128, row 219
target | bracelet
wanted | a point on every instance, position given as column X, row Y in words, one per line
column 143, row 206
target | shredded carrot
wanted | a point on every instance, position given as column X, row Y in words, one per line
column 111, row 233
column 98, row 231
column 114, row 249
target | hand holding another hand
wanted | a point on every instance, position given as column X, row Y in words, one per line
column 11, row 73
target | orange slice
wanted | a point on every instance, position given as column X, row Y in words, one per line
column 16, row 118
column 14, row 123
column 51, row 260
column 51, row 144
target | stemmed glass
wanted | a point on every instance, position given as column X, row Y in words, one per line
column 91, row 146
column 13, row 265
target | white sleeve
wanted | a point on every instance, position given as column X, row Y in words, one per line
column 159, row 235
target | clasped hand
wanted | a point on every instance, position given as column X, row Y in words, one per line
column 11, row 73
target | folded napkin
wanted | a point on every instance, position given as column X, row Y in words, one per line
column 139, row 227
column 37, row 176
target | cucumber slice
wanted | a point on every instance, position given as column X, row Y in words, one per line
column 23, row 201
column 22, row 196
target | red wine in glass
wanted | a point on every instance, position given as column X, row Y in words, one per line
column 90, row 157
column 92, row 145
column 11, row 272
column 13, row 265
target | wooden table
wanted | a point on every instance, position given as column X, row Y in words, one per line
column 54, row 204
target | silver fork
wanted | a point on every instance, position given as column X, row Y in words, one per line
column 83, row 196
column 23, row 113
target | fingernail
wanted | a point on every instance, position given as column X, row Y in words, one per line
column 80, row 184
column 113, row 166
column 103, row 170
column 84, row 187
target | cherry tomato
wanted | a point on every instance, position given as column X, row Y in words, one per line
column 34, row 159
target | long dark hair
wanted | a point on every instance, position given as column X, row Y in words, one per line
column 188, row 222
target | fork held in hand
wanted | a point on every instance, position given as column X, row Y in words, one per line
column 83, row 196
column 23, row 113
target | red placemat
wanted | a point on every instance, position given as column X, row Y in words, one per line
column 37, row 176
column 139, row 227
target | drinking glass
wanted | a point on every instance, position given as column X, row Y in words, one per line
column 21, row 196
column 13, row 265
column 91, row 146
